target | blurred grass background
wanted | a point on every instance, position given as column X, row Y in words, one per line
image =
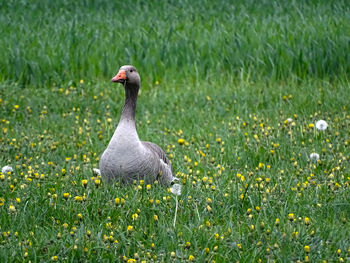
column 50, row 41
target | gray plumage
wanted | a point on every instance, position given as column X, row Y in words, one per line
column 126, row 157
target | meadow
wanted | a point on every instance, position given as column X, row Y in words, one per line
column 232, row 90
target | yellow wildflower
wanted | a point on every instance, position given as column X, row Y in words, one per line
column 307, row 249
column 181, row 141
column 291, row 216
column 84, row 182
column 307, row 221
column 12, row 208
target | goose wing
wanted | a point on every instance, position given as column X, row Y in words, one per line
column 164, row 163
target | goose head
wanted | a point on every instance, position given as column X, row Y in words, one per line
column 127, row 75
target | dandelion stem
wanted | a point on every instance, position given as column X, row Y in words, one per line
column 175, row 210
column 199, row 218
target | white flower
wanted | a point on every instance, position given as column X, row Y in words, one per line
column 321, row 125
column 6, row 169
column 314, row 157
column 176, row 189
column 289, row 120
column 96, row 171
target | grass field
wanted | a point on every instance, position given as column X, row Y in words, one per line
column 232, row 92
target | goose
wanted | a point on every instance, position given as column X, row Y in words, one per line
column 126, row 157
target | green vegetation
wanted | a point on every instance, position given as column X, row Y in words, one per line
column 231, row 91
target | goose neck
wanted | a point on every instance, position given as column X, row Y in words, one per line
column 129, row 108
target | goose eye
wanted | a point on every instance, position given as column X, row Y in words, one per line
column 131, row 70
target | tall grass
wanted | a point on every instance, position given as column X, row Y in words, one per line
column 48, row 41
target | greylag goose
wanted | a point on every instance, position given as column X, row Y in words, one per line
column 126, row 157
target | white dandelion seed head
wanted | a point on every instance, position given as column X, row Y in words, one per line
column 314, row 157
column 321, row 125
column 289, row 120
column 96, row 171
column 176, row 189
column 6, row 169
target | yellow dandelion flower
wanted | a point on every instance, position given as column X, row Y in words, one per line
column 191, row 258
column 117, row 200
column 97, row 182
column 277, row 221
column 78, row 198
column 84, row 182
column 155, row 217
column 54, row 258
column 209, row 209
column 291, row 216
column 134, row 216
column 181, row 141
column 130, row 228
column 307, row 221
column 148, row 187
column 12, row 208
column 2, row 201
column 307, row 249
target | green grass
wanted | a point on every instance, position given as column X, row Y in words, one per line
column 223, row 77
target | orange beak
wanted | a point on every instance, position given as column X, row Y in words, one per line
column 120, row 77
